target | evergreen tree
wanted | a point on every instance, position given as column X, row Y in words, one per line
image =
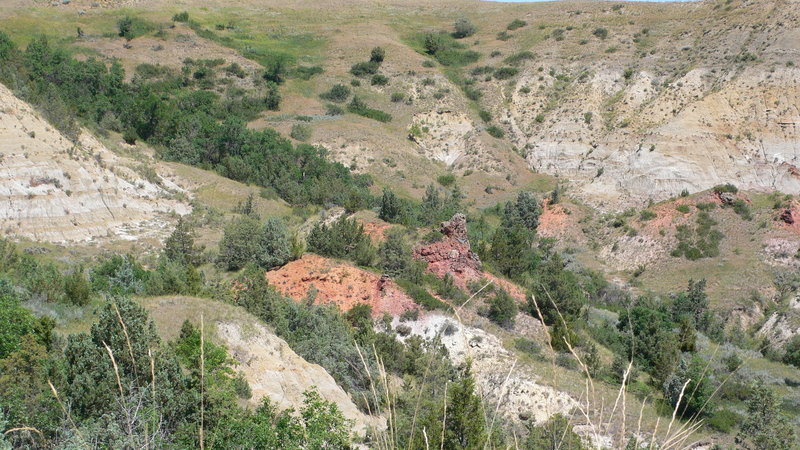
column 555, row 434
column 344, row 238
column 524, row 211
column 240, row 242
column 464, row 425
column 765, row 428
column 502, row 309
column 274, row 248
column 696, row 401
column 390, row 206
column 377, row 54
column 179, row 246
column 394, row 255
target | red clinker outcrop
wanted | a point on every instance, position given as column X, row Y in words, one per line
column 452, row 254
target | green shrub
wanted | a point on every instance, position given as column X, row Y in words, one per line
column 706, row 206
column 495, row 132
column 379, row 80
column 377, row 55
column 333, row 110
column 481, row 70
column 628, row 73
column 364, row 68
column 236, row 70
column 15, row 320
column 422, row 297
column 272, row 99
column 486, row 116
column 600, row 32
column 518, row 58
column 7, row 46
column 647, row 215
column 503, row 36
column 344, row 238
column 300, row 131
column 539, row 118
column 741, row 208
column 306, row 72
column 133, row 27
column 338, row 93
column 446, row 180
column 239, row 243
column 472, row 93
column 397, row 97
column 463, row 28
column 505, row 73
column 724, row 421
column 516, row 24
column 725, row 188
column 394, row 255
column 684, row 209
column 702, row 241
column 448, row 51
column 357, row 106
column 76, row 287
column 181, row 17
column 502, row 309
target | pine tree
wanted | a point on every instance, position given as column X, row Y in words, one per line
column 390, row 206
column 764, row 427
column 179, row 246
column 274, row 248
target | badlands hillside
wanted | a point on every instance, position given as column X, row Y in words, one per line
column 399, row 224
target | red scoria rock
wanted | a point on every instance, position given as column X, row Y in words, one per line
column 453, row 253
column 787, row 217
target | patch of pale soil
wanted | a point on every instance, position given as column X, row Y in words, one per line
column 275, row 371
column 512, row 388
column 339, row 283
column 782, row 252
column 58, row 191
column 452, row 138
column 270, row 366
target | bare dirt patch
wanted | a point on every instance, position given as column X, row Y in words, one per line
column 339, row 283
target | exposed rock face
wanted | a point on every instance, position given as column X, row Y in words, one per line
column 452, row 254
column 780, row 327
column 275, row 371
column 520, row 397
column 339, row 283
column 55, row 190
column 452, row 138
column 270, row 366
column 787, row 217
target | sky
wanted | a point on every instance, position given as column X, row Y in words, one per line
column 532, row 1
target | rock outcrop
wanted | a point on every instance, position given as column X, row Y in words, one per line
column 275, row 371
column 55, row 190
column 270, row 366
column 516, row 393
column 453, row 253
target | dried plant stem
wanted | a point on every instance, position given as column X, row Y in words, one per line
column 66, row 413
column 499, row 401
column 121, row 391
column 444, row 416
column 202, row 380
column 127, row 339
